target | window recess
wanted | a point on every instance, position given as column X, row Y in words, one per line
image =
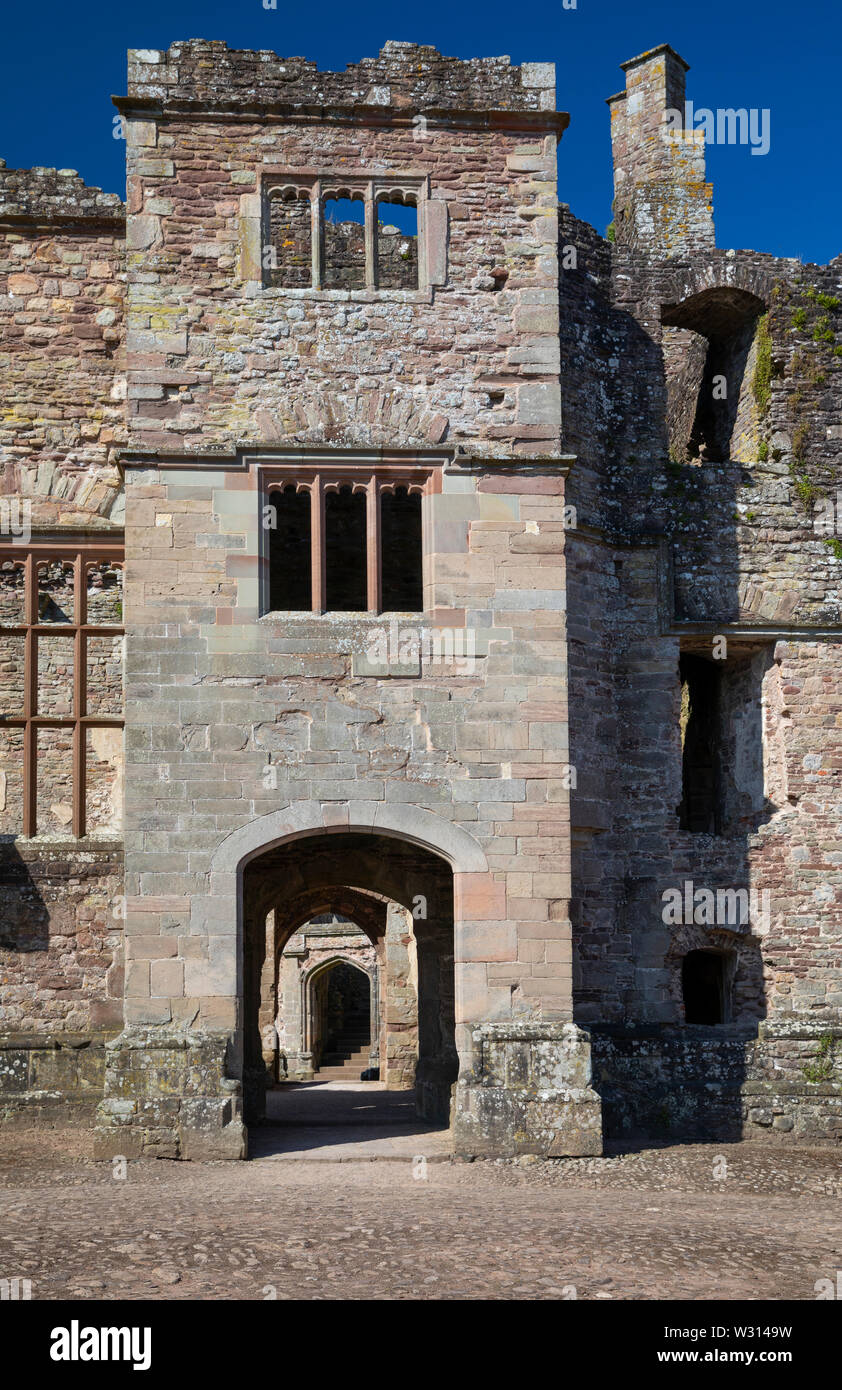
column 347, row 540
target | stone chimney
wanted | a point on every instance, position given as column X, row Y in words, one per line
column 662, row 203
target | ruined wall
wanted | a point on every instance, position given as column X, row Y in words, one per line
column 691, row 522
column 61, row 360
column 221, row 693
column 61, row 975
column 666, row 556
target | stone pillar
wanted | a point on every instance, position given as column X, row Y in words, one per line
column 399, row 1032
column 438, row 1062
column 269, row 1004
column 296, row 1061
column 527, row 1089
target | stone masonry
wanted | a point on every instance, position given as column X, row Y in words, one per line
column 627, row 456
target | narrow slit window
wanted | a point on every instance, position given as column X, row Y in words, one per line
column 290, row 580
column 397, row 244
column 288, row 255
column 346, row 579
column 343, row 243
column 704, row 987
column 400, row 520
column 700, row 800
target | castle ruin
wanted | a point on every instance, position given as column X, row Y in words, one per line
column 402, row 579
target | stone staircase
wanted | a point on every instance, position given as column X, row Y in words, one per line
column 350, row 1055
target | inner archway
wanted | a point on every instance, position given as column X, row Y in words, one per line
column 339, row 1010
column 397, row 896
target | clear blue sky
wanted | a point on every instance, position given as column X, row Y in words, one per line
column 61, row 62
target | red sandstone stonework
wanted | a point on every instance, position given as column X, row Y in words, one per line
column 502, row 826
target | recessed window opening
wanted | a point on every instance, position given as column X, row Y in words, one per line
column 704, row 987
column 397, row 243
column 344, row 539
column 290, row 573
column 345, row 551
column 61, row 627
column 343, row 243
column 400, row 513
column 700, row 688
column 710, row 346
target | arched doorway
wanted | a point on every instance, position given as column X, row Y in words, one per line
column 400, row 895
column 339, row 1021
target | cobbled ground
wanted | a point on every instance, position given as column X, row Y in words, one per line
column 657, row 1224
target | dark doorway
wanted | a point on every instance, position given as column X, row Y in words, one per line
column 703, row 987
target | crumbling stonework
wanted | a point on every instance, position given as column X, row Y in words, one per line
column 497, row 791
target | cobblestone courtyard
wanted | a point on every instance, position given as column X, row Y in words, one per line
column 651, row 1225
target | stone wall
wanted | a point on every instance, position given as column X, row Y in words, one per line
column 687, row 527
column 62, row 909
column 61, row 344
column 670, row 556
column 217, row 359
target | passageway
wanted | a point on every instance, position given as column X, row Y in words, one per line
column 349, row 1019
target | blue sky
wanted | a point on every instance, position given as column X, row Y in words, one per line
column 61, row 63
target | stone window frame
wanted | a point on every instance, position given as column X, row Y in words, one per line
column 320, row 185
column 83, row 556
column 372, row 480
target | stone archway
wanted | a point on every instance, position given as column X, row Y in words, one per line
column 320, row 1027
column 401, row 893
column 298, row 965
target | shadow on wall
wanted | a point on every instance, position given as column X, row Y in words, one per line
column 667, row 737
column 24, row 917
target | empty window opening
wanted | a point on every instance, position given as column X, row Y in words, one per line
column 290, row 570
column 709, row 346
column 347, row 540
column 700, row 684
column 343, row 243
column 346, row 580
column 400, row 516
column 397, row 243
column 704, row 987
column 288, row 256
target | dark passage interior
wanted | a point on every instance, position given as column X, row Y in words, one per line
column 345, row 551
column 290, row 581
column 400, row 519
column 342, row 1023
column 699, row 810
column 703, row 987
column 399, row 896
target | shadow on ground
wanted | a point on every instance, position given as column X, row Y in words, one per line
column 337, row 1121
